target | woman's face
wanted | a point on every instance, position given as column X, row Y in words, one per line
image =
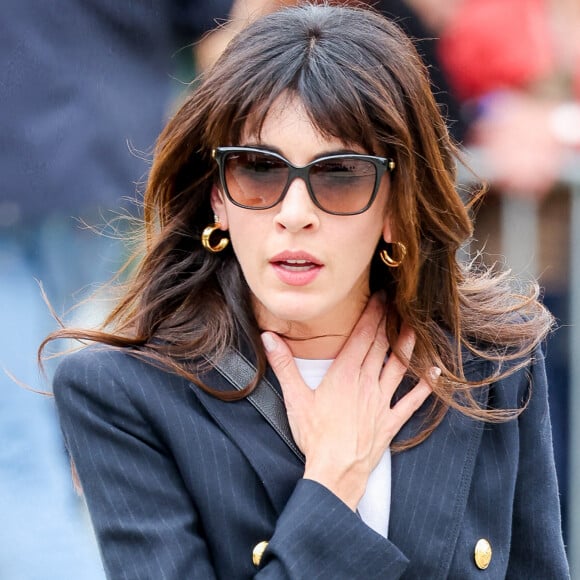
column 308, row 270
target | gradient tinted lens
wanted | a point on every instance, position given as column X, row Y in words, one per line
column 255, row 179
column 341, row 184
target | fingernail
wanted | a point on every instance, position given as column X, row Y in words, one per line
column 435, row 372
column 269, row 342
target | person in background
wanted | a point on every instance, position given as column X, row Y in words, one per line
column 515, row 65
column 85, row 88
column 301, row 237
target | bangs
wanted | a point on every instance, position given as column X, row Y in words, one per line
column 334, row 110
column 333, row 107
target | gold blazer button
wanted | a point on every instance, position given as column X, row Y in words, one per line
column 258, row 552
column 482, row 554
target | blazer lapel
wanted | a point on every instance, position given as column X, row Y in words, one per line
column 430, row 487
column 276, row 465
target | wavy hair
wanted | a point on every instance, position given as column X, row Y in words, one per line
column 360, row 80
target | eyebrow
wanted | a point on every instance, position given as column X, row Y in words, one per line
column 327, row 153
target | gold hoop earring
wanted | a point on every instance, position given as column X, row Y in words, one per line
column 391, row 262
column 206, row 235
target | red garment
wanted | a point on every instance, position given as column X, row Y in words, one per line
column 495, row 44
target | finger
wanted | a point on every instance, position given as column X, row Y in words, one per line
column 411, row 402
column 282, row 362
column 396, row 366
column 375, row 359
column 405, row 345
column 363, row 334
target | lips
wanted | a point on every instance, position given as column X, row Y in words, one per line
column 300, row 260
column 296, row 268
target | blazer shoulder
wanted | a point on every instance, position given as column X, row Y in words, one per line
column 91, row 358
column 98, row 367
column 93, row 366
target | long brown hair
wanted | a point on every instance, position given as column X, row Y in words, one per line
column 361, row 80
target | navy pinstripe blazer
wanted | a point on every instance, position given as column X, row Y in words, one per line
column 181, row 485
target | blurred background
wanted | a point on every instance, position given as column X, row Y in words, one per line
column 86, row 87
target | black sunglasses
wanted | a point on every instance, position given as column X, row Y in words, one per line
column 342, row 184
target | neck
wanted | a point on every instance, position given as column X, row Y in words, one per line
column 317, row 339
column 322, row 347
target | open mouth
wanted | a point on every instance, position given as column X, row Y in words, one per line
column 296, row 265
column 296, row 268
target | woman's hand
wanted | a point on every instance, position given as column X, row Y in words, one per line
column 345, row 426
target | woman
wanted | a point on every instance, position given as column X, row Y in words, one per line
column 315, row 152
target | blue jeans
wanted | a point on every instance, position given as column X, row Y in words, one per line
column 45, row 532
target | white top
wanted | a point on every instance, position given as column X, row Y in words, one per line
column 375, row 505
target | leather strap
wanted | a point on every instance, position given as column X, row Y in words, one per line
column 239, row 371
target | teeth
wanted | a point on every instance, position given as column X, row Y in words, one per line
column 297, row 265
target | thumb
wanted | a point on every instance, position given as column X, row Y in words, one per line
column 283, row 365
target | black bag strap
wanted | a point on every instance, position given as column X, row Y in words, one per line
column 239, row 371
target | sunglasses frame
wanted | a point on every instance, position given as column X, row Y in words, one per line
column 381, row 164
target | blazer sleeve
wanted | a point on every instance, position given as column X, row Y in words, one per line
column 319, row 537
column 537, row 550
column 147, row 522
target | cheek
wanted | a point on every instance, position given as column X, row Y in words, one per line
column 247, row 237
column 243, row 225
column 370, row 233
column 355, row 252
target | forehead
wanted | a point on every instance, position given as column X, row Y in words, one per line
column 287, row 124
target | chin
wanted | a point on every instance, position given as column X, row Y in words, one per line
column 278, row 314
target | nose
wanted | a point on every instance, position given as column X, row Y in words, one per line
column 297, row 211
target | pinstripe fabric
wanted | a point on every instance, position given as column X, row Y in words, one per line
column 181, row 485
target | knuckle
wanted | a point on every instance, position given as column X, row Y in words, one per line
column 365, row 333
column 282, row 363
column 400, row 415
column 395, row 367
column 418, row 395
column 406, row 342
column 381, row 343
column 367, row 380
